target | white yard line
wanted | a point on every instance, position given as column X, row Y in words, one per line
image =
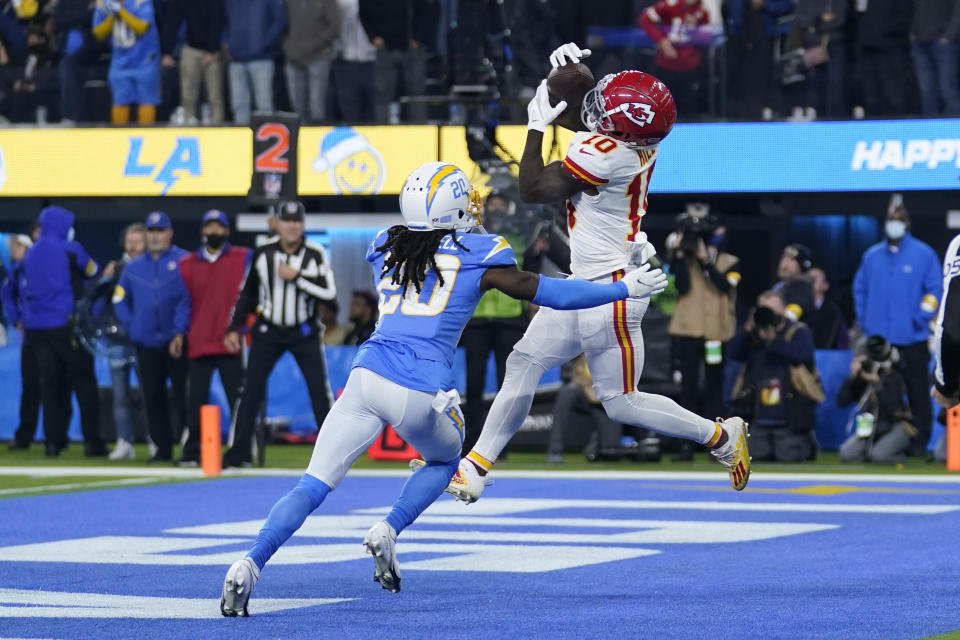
column 718, row 476
column 75, row 485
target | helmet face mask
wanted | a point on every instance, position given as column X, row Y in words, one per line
column 632, row 107
column 438, row 195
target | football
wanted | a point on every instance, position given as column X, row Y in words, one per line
column 571, row 82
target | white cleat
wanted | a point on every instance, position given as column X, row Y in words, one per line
column 381, row 543
column 237, row 587
column 122, row 451
column 735, row 454
column 466, row 485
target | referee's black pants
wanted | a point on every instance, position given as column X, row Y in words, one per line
column 65, row 365
column 198, row 393
column 154, row 366
column 264, row 353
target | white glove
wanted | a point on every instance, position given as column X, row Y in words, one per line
column 565, row 52
column 640, row 250
column 645, row 282
column 539, row 111
column 111, row 6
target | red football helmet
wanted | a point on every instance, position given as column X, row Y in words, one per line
column 630, row 106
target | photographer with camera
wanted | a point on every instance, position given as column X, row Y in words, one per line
column 778, row 385
column 706, row 280
column 883, row 426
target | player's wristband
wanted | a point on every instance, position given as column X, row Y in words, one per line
column 577, row 294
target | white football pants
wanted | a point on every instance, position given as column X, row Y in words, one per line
column 431, row 423
column 610, row 338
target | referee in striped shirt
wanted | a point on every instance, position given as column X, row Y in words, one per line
column 286, row 278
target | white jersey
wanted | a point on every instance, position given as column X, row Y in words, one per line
column 600, row 225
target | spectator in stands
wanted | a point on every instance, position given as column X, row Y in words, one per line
column 310, row 46
column 826, row 320
column 897, row 292
column 820, row 27
column 883, row 38
column 333, row 333
column 145, row 301
column 254, row 32
column 706, row 278
column 135, row 64
column 935, row 39
column 201, row 58
column 363, row 316
column 295, row 274
column 794, row 284
column 212, row 277
column 79, row 48
column 753, row 29
column 52, row 268
column 121, row 350
column 678, row 63
column 402, row 31
column 34, row 92
column 353, row 70
column 498, row 321
column 30, row 394
column 883, row 431
column 770, row 345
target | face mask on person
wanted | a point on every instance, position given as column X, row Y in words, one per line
column 71, row 234
column 214, row 240
column 895, row 229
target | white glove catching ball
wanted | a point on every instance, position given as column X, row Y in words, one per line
column 645, row 282
column 567, row 53
column 539, row 112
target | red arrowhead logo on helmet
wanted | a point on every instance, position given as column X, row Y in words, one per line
column 632, row 107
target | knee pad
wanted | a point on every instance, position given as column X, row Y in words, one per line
column 623, row 408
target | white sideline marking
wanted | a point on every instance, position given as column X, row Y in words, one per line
column 21, row 603
column 76, row 485
column 643, row 531
column 547, row 474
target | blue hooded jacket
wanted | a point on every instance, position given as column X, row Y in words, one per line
column 146, row 298
column 897, row 291
column 54, row 270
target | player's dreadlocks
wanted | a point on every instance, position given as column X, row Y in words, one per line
column 409, row 253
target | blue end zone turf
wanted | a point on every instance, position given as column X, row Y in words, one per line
column 547, row 557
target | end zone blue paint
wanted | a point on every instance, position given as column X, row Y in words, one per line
column 876, row 576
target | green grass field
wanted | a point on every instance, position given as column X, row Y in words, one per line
column 287, row 456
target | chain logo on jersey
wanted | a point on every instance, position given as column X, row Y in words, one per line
column 637, row 112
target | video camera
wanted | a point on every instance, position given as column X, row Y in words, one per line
column 692, row 229
column 881, row 355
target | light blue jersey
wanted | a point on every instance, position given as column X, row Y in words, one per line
column 417, row 334
column 132, row 53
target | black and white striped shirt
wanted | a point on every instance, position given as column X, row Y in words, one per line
column 278, row 302
column 947, row 334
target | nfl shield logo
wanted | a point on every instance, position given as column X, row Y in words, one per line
column 272, row 185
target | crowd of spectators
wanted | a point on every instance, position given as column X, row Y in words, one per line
column 352, row 60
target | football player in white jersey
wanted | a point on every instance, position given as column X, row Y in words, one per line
column 604, row 179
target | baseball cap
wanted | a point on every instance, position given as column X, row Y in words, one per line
column 291, row 210
column 800, row 253
column 158, row 220
column 215, row 215
column 24, row 239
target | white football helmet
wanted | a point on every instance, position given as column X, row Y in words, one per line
column 438, row 195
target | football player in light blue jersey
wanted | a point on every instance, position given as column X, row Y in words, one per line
column 135, row 62
column 431, row 273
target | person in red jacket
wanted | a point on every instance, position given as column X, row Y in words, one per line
column 212, row 275
column 678, row 63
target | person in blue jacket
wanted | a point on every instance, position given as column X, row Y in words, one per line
column 55, row 270
column 145, row 301
column 897, row 291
